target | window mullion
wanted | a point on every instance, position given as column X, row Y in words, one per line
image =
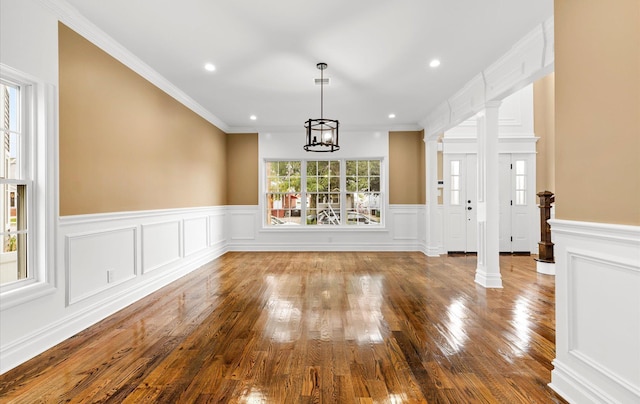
column 303, row 192
column 343, row 191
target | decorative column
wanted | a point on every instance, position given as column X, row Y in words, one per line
column 488, row 267
column 431, row 156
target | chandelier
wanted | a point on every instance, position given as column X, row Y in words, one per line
column 322, row 134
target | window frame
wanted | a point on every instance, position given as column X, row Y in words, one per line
column 38, row 103
column 22, row 177
column 304, row 193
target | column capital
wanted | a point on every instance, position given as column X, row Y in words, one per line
column 492, row 104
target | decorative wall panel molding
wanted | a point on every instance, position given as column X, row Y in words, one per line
column 403, row 231
column 405, row 224
column 98, row 261
column 436, row 248
column 160, row 244
column 217, row 226
column 196, row 231
column 243, row 224
column 100, row 256
column 597, row 312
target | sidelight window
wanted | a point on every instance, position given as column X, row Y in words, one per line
column 455, row 183
column 521, row 182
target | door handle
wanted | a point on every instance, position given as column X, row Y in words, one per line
column 469, row 208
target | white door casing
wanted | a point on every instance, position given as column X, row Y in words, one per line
column 517, row 203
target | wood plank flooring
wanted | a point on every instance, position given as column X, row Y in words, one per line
column 337, row 327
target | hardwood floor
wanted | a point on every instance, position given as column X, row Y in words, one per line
column 352, row 327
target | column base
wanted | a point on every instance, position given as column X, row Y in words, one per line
column 433, row 251
column 547, row 268
column 488, row 280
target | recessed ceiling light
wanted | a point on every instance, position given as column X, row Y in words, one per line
column 210, row 67
column 253, row 117
column 434, row 63
column 391, row 116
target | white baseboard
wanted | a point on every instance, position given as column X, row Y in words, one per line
column 574, row 388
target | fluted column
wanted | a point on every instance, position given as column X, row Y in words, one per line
column 488, row 267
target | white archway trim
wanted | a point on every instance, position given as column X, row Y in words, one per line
column 529, row 59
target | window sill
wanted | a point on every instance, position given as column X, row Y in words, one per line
column 20, row 295
column 327, row 228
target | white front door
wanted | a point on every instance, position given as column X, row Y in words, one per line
column 516, row 210
column 460, row 202
column 506, row 201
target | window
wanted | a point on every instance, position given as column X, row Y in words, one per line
column 521, row 182
column 283, row 192
column 333, row 192
column 363, row 191
column 15, row 184
column 27, row 182
column 323, row 193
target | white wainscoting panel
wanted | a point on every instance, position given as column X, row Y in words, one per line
column 402, row 231
column 405, row 223
column 91, row 256
column 597, row 312
column 592, row 277
column 243, row 223
column 195, row 235
column 160, row 244
column 142, row 250
column 438, row 230
column 217, row 229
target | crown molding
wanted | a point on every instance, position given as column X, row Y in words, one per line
column 352, row 128
column 72, row 18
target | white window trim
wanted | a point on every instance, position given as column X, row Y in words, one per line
column 303, row 192
column 42, row 145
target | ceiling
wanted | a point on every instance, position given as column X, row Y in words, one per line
column 265, row 53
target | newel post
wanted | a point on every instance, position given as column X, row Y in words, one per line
column 545, row 260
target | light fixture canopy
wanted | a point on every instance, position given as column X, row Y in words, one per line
column 322, row 134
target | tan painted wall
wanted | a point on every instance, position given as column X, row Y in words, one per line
column 242, row 169
column 406, row 168
column 544, row 128
column 597, row 65
column 125, row 145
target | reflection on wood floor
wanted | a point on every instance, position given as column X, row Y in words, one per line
column 336, row 327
